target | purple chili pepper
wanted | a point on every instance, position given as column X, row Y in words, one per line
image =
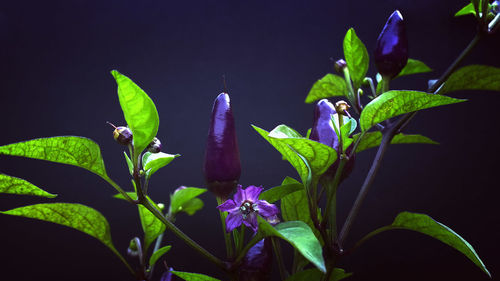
column 256, row 265
column 322, row 131
column 391, row 53
column 222, row 168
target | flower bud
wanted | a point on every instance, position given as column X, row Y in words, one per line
column 154, row 146
column 495, row 7
column 256, row 265
column 340, row 65
column 222, row 168
column 391, row 52
column 122, row 135
column 323, row 131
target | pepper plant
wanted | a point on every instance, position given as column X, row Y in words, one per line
column 366, row 113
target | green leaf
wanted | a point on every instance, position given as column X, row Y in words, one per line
column 426, row 225
column 276, row 193
column 413, row 67
column 299, row 235
column 330, row 85
column 71, row 150
column 158, row 254
column 151, row 225
column 192, row 206
column 468, row 9
column 181, row 197
column 309, row 158
column 188, row 276
column 13, row 185
column 139, row 112
column 315, row 274
column 154, row 161
column 294, row 207
column 373, row 139
column 356, row 57
column 76, row 216
column 473, row 77
column 394, row 103
column 346, row 131
column 130, row 165
column 283, row 131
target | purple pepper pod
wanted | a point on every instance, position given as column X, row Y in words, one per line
column 391, row 52
column 222, row 168
column 322, row 131
column 256, row 265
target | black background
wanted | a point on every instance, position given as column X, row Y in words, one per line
column 55, row 58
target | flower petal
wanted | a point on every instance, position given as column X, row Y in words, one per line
column 252, row 193
column 233, row 220
column 227, row 206
column 239, row 196
column 251, row 221
column 266, row 209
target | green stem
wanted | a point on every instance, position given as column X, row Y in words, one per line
column 351, row 95
column 227, row 236
column 330, row 212
column 369, row 80
column 279, row 258
column 170, row 226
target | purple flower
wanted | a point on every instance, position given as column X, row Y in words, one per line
column 245, row 207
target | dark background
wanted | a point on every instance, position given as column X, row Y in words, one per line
column 55, row 58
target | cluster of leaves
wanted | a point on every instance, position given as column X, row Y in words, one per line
column 303, row 226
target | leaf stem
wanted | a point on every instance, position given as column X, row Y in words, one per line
column 227, row 236
column 170, row 226
column 279, row 258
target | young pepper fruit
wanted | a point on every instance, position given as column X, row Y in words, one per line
column 257, row 263
column 222, row 168
column 391, row 52
column 322, row 131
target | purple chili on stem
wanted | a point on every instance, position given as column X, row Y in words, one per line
column 322, row 131
column 222, row 168
column 391, row 52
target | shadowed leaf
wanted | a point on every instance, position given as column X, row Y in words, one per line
column 413, row 67
column 188, row 276
column 158, row 254
column 473, row 77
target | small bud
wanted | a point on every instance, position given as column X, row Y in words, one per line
column 342, row 107
column 122, row 135
column 133, row 247
column 161, row 206
column 495, row 7
column 154, row 146
column 391, row 53
column 340, row 65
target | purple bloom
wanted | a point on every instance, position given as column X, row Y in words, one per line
column 245, row 207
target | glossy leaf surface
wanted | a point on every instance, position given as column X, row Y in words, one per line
column 180, row 200
column 330, row 85
column 154, row 161
column 139, row 111
column 473, row 77
column 396, row 102
column 71, row 150
column 308, row 157
column 373, row 139
column 300, row 236
column 356, row 56
column 13, row 185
